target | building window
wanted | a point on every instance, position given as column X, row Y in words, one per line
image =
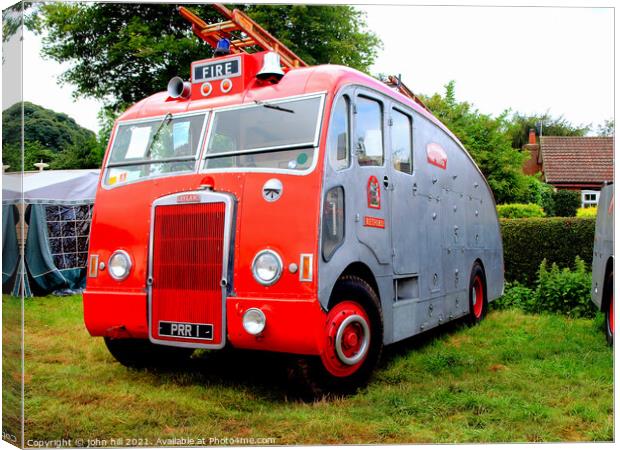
column 589, row 199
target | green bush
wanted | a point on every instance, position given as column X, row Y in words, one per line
column 558, row 240
column 566, row 203
column 557, row 291
column 515, row 296
column 519, row 210
column 539, row 193
column 547, row 199
column 587, row 212
column 563, row 291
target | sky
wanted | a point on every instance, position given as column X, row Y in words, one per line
column 528, row 59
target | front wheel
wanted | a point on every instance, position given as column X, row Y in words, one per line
column 352, row 342
column 141, row 353
column 477, row 295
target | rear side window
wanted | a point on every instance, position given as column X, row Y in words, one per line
column 369, row 132
column 401, row 142
column 338, row 139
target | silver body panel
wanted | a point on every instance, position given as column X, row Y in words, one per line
column 438, row 222
column 603, row 243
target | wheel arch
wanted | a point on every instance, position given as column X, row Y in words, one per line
column 484, row 273
column 607, row 287
column 360, row 270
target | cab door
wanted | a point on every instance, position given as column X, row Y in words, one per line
column 402, row 186
column 372, row 177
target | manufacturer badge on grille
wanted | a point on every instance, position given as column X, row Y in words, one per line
column 188, row 198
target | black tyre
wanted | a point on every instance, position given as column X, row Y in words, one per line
column 352, row 343
column 141, row 353
column 478, row 303
column 609, row 309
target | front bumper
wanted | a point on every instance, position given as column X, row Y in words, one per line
column 293, row 325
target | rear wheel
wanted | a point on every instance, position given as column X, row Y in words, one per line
column 351, row 346
column 609, row 311
column 141, row 353
column 477, row 295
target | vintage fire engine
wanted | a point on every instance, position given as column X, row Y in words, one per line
column 268, row 205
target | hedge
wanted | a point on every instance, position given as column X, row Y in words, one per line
column 557, row 239
column 587, row 212
column 520, row 210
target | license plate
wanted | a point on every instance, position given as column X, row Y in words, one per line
column 186, row 330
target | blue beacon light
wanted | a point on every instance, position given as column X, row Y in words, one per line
column 223, row 47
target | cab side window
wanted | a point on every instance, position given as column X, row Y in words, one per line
column 402, row 148
column 339, row 135
column 369, row 132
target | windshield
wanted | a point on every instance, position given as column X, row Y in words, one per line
column 275, row 135
column 155, row 147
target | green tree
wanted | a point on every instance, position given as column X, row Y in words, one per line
column 486, row 140
column 607, row 128
column 566, row 202
column 519, row 126
column 34, row 152
column 49, row 136
column 122, row 53
column 82, row 154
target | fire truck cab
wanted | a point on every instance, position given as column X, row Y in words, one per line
column 313, row 211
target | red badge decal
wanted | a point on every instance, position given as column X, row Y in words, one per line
column 436, row 155
column 374, row 222
column 188, row 198
column 374, row 193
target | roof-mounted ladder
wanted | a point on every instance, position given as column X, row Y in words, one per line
column 256, row 36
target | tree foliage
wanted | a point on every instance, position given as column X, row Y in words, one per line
column 487, row 142
column 50, row 137
column 121, row 53
column 566, row 202
column 520, row 125
column 607, row 128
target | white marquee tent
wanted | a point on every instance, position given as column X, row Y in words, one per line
column 56, row 208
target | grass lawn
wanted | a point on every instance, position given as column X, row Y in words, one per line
column 515, row 377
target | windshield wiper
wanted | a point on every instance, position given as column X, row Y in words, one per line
column 167, row 118
column 270, row 106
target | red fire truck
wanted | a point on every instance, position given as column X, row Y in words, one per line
column 268, row 205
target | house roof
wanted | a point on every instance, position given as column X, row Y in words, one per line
column 570, row 159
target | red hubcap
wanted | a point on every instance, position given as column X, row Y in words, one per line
column 347, row 339
column 477, row 297
column 351, row 340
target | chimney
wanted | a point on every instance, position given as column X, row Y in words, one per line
column 532, row 165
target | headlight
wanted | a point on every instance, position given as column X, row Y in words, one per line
column 267, row 267
column 119, row 265
column 254, row 321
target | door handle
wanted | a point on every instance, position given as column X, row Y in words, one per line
column 386, row 182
